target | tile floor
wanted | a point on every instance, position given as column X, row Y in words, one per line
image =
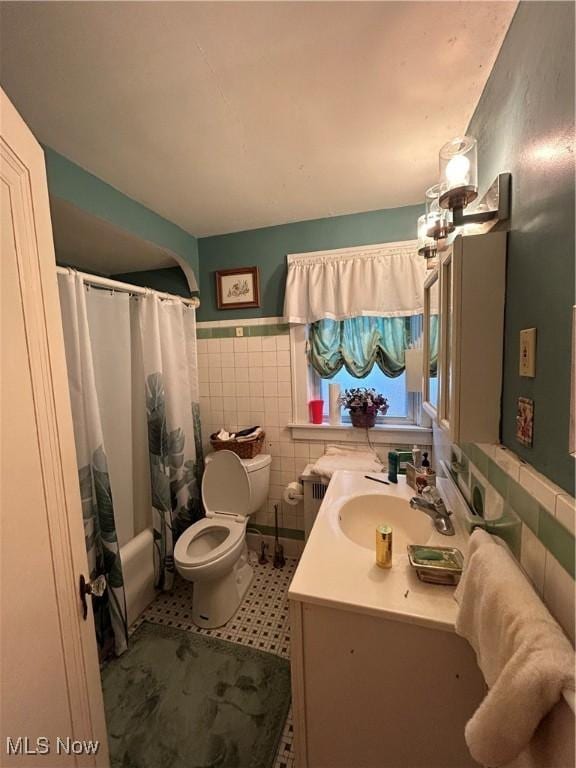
column 261, row 621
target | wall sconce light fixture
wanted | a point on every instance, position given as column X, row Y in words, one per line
column 438, row 219
column 458, row 173
column 426, row 243
column 459, row 185
column 458, row 189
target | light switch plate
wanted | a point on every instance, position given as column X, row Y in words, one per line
column 528, row 352
column 240, row 331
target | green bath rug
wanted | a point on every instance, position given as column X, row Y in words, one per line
column 178, row 699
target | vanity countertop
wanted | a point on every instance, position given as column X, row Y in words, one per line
column 333, row 571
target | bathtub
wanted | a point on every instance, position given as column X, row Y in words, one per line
column 137, row 558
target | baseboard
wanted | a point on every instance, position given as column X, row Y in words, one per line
column 292, row 547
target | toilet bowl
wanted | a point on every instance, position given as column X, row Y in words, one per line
column 212, row 553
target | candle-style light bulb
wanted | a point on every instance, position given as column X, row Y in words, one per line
column 458, row 171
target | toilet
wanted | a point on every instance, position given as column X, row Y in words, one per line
column 213, row 553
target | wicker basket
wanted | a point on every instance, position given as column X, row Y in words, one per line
column 245, row 449
column 363, row 419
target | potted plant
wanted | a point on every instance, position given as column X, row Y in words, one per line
column 364, row 405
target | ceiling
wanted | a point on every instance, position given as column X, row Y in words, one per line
column 229, row 116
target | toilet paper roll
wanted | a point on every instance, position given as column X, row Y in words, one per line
column 293, row 493
column 334, row 408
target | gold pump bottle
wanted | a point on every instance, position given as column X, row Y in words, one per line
column 384, row 546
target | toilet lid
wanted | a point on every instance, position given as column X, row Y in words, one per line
column 205, row 541
column 225, row 485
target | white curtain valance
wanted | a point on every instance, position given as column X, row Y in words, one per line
column 384, row 280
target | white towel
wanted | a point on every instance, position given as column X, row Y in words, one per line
column 252, row 436
column 525, row 657
column 354, row 459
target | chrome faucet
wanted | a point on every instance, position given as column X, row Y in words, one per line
column 431, row 503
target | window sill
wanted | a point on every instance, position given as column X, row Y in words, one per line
column 346, row 433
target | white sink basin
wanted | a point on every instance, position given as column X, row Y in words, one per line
column 360, row 515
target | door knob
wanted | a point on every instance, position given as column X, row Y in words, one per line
column 95, row 587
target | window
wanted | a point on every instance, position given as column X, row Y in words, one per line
column 366, row 346
column 392, row 389
column 370, row 346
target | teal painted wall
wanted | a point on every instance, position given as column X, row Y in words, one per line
column 72, row 183
column 524, row 123
column 267, row 248
column 168, row 280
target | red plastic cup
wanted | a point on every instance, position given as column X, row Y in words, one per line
column 316, row 408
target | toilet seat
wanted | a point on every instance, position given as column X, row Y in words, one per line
column 226, row 486
column 230, row 532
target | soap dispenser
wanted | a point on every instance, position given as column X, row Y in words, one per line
column 393, row 466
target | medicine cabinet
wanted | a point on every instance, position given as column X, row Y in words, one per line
column 471, row 278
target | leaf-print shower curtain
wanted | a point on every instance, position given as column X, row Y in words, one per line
column 168, row 331
column 95, row 491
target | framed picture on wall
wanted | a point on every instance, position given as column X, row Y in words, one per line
column 238, row 288
column 525, row 421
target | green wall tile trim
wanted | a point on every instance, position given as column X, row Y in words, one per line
column 525, row 506
column 557, row 539
column 480, row 459
column 229, row 332
column 285, row 533
column 498, row 478
column 209, row 333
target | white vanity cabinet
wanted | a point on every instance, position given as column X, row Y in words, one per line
column 380, row 679
column 375, row 692
column 472, row 280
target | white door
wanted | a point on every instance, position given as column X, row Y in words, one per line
column 50, row 694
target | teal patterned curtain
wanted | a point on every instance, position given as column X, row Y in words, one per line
column 357, row 343
column 110, row 614
column 168, row 334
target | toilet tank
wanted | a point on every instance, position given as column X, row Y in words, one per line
column 258, row 470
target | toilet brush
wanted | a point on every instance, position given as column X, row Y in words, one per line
column 279, row 560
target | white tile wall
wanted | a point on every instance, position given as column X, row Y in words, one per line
column 533, row 558
column 247, row 381
column 559, row 595
column 551, row 581
column 537, row 485
column 242, row 384
column 505, row 459
column 566, row 511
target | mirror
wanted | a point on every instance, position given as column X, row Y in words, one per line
column 446, row 331
column 431, row 309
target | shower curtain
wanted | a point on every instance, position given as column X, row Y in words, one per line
column 168, row 333
column 95, row 490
